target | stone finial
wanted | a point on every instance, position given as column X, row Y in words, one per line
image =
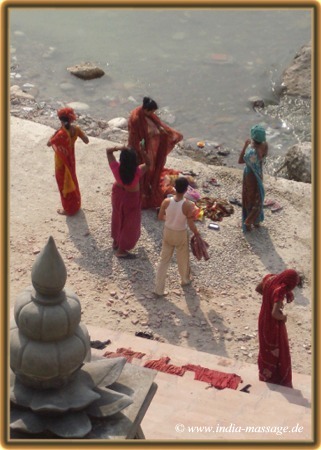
column 49, row 343
column 53, row 387
column 49, row 274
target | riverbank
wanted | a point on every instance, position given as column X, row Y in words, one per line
column 200, row 98
column 218, row 312
column 291, row 113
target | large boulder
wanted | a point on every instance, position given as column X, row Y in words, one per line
column 16, row 91
column 78, row 106
column 298, row 162
column 118, row 122
column 86, row 71
column 297, row 77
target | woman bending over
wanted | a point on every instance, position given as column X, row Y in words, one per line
column 274, row 359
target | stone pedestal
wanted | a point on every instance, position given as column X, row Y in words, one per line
column 54, row 391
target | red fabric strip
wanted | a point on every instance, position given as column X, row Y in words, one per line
column 220, row 380
column 128, row 353
column 162, row 366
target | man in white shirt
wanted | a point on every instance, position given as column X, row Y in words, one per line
column 177, row 212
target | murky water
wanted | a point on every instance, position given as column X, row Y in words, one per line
column 201, row 64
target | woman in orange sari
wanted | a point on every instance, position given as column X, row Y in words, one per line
column 147, row 132
column 274, row 358
column 63, row 143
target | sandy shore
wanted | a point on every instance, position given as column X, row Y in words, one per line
column 218, row 313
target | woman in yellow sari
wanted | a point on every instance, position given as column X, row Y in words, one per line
column 63, row 143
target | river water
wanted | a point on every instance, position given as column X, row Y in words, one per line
column 201, row 64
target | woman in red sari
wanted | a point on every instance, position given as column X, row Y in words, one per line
column 147, row 131
column 126, row 199
column 63, row 143
column 274, row 358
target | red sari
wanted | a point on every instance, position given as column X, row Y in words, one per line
column 274, row 359
column 157, row 145
column 126, row 218
column 126, row 211
column 65, row 169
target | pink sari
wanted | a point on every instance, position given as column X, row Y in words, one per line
column 126, row 211
column 126, row 218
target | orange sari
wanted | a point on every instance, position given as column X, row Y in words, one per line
column 65, row 169
column 157, row 145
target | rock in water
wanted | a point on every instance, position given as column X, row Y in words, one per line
column 86, row 71
column 256, row 102
column 78, row 106
column 297, row 77
column 298, row 162
column 118, row 122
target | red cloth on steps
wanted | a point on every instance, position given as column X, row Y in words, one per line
column 162, row 366
column 217, row 379
column 220, row 380
column 128, row 353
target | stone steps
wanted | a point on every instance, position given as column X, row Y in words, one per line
column 186, row 402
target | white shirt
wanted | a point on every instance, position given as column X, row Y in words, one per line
column 174, row 217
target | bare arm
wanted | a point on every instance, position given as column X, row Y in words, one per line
column 162, row 210
column 192, row 226
column 188, row 210
column 110, row 153
column 241, row 157
column 83, row 136
column 277, row 311
column 144, row 167
column 259, row 288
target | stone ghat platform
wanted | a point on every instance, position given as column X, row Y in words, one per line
column 186, row 409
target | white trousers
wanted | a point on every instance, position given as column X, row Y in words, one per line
column 173, row 240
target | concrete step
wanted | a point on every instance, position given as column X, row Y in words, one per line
column 185, row 402
column 183, row 355
column 182, row 411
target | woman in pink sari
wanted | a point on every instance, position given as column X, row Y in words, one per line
column 126, row 199
column 63, row 143
column 274, row 358
column 147, row 132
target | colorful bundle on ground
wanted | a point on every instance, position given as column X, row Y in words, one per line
column 215, row 208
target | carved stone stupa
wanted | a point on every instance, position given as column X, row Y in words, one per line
column 53, row 388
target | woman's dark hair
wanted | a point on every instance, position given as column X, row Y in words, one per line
column 181, row 185
column 65, row 121
column 128, row 165
column 149, row 104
